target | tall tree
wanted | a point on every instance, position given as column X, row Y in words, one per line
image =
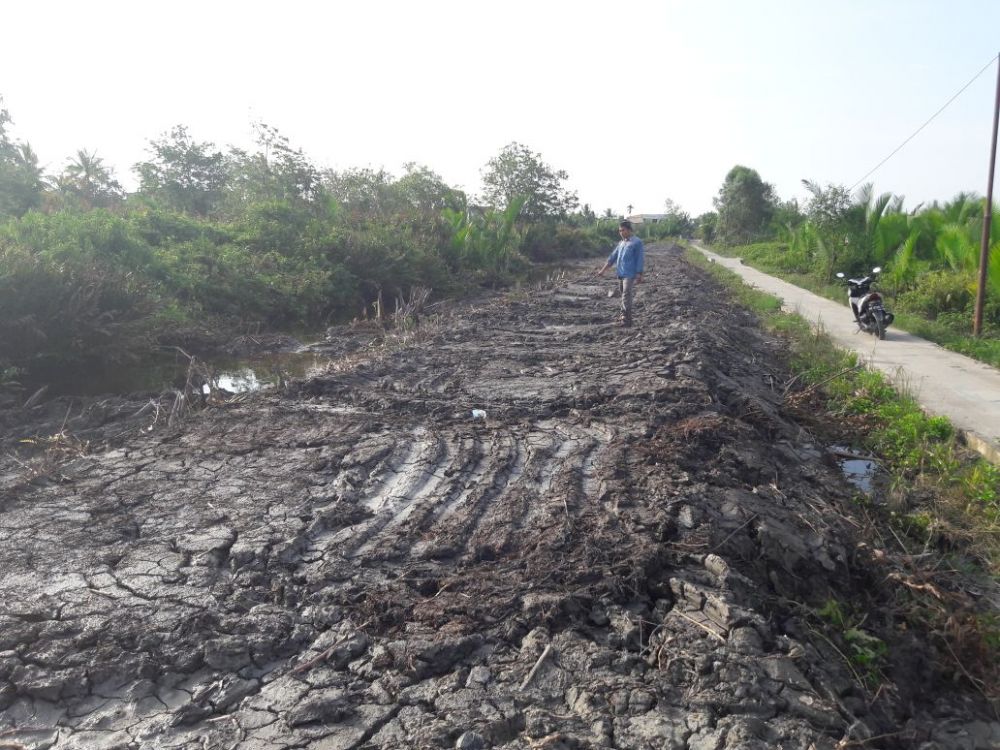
column 705, row 226
column 423, row 190
column 676, row 221
column 21, row 184
column 518, row 172
column 838, row 228
column 183, row 174
column 86, row 179
column 745, row 205
column 275, row 171
column 365, row 192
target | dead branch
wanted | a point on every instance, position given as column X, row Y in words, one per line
column 538, row 664
column 816, row 386
column 36, row 397
column 738, row 528
column 700, row 625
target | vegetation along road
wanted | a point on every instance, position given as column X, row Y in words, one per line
column 517, row 526
column 945, row 383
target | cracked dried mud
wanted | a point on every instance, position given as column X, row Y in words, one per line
column 619, row 555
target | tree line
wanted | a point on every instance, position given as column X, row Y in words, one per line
column 930, row 253
column 214, row 241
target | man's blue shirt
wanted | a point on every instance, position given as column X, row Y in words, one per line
column 628, row 257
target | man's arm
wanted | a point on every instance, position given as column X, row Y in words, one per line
column 610, row 262
column 640, row 261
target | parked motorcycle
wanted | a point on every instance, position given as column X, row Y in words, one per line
column 866, row 304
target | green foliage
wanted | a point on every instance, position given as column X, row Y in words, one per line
column 517, row 173
column 787, row 216
column 258, row 237
column 87, row 183
column 788, row 256
column 905, row 268
column 95, row 238
column 671, row 226
column 866, row 652
column 705, row 226
column 487, row 242
column 548, row 242
column 982, row 484
column 274, row 172
column 365, row 194
column 422, row 192
column 912, row 444
column 183, row 174
column 760, row 302
column 745, row 207
column 77, row 310
column 219, row 239
column 20, row 176
column 937, row 292
column 675, row 223
column 838, row 230
column 929, row 257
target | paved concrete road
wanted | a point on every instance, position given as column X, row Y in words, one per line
column 945, row 383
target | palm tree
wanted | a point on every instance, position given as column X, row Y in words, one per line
column 21, row 182
column 90, row 180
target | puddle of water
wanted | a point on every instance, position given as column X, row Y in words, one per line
column 242, row 376
column 232, row 375
column 858, row 471
column 237, row 382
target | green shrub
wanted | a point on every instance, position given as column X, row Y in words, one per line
column 547, row 243
column 937, row 292
column 77, row 311
column 776, row 256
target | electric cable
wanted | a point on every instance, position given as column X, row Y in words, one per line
column 943, row 108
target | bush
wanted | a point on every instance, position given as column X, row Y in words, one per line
column 937, row 293
column 671, row 226
column 777, row 256
column 546, row 243
column 78, row 311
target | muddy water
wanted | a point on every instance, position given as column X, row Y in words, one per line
column 627, row 551
column 231, row 374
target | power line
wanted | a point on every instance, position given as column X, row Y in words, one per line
column 943, row 108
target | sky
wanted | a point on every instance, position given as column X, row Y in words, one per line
column 638, row 101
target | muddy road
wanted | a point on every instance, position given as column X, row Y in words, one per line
column 627, row 551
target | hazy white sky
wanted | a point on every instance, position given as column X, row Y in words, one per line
column 639, row 101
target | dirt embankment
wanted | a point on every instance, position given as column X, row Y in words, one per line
column 626, row 552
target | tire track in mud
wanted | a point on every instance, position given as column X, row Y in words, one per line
column 427, row 489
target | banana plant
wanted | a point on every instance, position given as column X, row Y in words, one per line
column 486, row 241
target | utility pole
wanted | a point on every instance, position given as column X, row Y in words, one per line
column 984, row 250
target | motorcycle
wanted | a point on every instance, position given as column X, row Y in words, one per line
column 866, row 304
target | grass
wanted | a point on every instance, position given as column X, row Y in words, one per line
column 938, row 531
column 922, row 453
column 984, row 349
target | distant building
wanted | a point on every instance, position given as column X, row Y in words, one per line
column 646, row 218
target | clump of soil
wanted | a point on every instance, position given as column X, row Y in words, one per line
column 524, row 528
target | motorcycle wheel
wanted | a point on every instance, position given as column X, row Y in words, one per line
column 879, row 325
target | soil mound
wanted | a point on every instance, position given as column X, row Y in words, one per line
column 527, row 528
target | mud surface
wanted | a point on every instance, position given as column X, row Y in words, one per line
column 620, row 554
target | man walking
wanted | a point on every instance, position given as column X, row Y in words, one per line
column 627, row 258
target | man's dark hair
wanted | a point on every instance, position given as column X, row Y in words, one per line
column 624, row 224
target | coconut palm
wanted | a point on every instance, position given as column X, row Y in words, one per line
column 88, row 179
